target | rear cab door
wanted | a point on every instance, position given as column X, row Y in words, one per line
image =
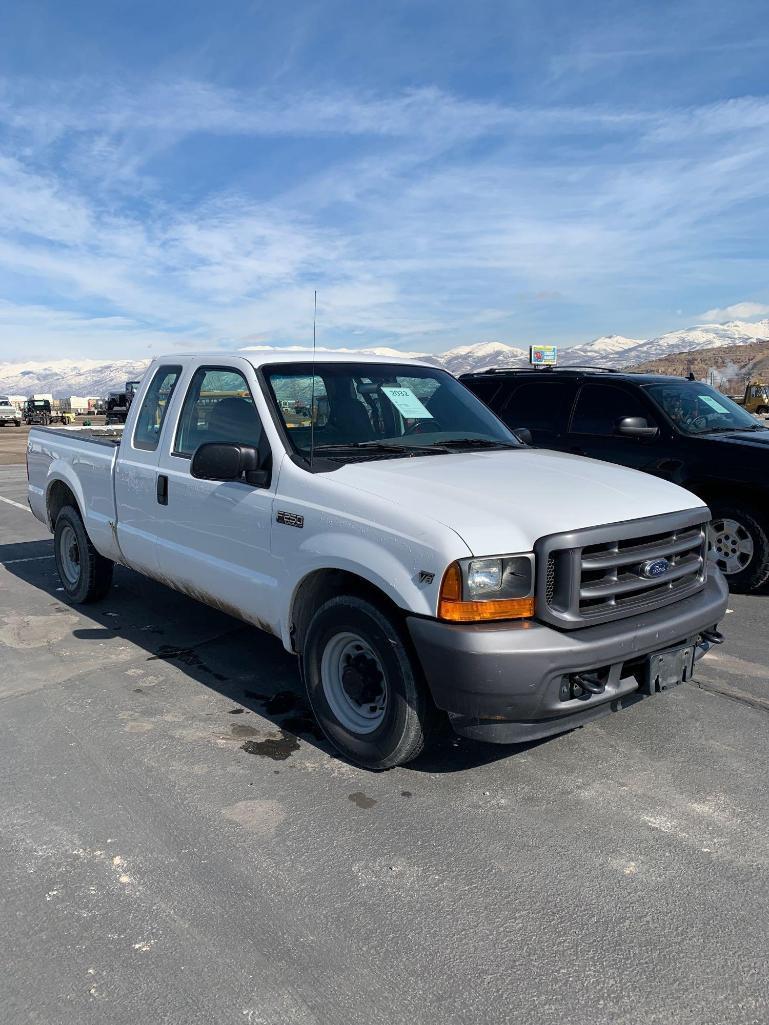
column 136, row 470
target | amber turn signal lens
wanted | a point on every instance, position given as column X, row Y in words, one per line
column 452, row 608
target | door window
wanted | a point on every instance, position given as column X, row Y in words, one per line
column 149, row 422
column 542, row 406
column 218, row 407
column 600, row 406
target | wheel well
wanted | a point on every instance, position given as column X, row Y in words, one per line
column 60, row 495
column 722, row 493
column 318, row 587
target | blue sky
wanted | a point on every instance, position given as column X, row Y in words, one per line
column 185, row 174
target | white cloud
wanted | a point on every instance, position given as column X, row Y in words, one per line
column 439, row 218
column 738, row 311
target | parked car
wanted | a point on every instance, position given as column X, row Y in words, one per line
column 400, row 540
column 676, row 428
column 9, row 414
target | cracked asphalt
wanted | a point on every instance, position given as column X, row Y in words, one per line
column 179, row 846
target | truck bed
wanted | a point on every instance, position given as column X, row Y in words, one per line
column 81, row 459
column 97, row 435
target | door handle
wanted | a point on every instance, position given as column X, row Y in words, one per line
column 162, row 489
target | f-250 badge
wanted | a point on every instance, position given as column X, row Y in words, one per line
column 289, row 519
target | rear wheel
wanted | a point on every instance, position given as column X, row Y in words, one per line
column 739, row 544
column 363, row 684
column 85, row 575
column 762, row 410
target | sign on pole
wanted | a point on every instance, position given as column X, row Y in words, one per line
column 543, row 355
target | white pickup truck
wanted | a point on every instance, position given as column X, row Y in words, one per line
column 382, row 522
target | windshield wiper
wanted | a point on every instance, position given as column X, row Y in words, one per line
column 453, row 443
column 376, row 447
column 725, row 430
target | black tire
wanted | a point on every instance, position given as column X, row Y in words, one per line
column 762, row 410
column 17, row 423
column 407, row 710
column 85, row 575
column 755, row 572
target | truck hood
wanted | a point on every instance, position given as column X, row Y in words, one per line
column 502, row 501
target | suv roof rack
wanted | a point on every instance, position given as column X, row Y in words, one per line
column 550, row 369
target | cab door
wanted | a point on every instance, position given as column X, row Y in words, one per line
column 136, row 473
column 593, row 429
column 214, row 537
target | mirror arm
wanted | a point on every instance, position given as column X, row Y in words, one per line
column 257, row 478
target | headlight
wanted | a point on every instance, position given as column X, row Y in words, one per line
column 481, row 589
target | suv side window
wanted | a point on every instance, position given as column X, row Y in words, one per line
column 149, row 422
column 542, row 406
column 486, row 388
column 219, row 407
column 600, row 406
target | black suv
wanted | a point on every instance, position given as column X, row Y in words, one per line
column 675, row 428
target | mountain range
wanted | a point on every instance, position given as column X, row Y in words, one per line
column 90, row 377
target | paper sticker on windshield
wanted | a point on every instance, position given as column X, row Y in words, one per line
column 407, row 404
column 714, row 404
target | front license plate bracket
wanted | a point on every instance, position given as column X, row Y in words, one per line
column 667, row 669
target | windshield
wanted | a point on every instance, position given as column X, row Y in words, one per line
column 374, row 410
column 697, row 408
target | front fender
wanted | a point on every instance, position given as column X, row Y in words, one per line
column 410, row 578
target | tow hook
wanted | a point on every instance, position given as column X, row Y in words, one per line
column 713, row 636
column 590, row 682
column 582, row 683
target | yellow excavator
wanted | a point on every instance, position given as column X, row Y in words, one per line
column 756, row 398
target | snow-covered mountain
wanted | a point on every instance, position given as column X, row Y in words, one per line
column 703, row 336
column 96, row 377
column 62, row 377
column 464, row 358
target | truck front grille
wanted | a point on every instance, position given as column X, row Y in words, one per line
column 603, row 573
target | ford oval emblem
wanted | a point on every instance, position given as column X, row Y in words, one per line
column 654, row 568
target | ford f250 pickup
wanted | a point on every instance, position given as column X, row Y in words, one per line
column 410, row 548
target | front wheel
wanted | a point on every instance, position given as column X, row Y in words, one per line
column 85, row 575
column 363, row 684
column 739, row 544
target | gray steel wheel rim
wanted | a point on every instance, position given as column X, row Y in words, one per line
column 357, row 718
column 732, row 545
column 69, row 555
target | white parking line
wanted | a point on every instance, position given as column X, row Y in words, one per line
column 32, row 558
column 17, row 505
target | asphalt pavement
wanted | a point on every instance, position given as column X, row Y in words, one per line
column 179, row 845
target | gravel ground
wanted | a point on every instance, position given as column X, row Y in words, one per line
column 180, row 846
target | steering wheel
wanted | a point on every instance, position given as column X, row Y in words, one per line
column 418, row 427
column 698, row 422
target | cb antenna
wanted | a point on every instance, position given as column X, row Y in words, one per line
column 312, row 391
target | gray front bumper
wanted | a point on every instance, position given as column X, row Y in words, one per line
column 502, row 681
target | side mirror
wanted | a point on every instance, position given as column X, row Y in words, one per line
column 635, row 427
column 523, row 434
column 225, row 462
